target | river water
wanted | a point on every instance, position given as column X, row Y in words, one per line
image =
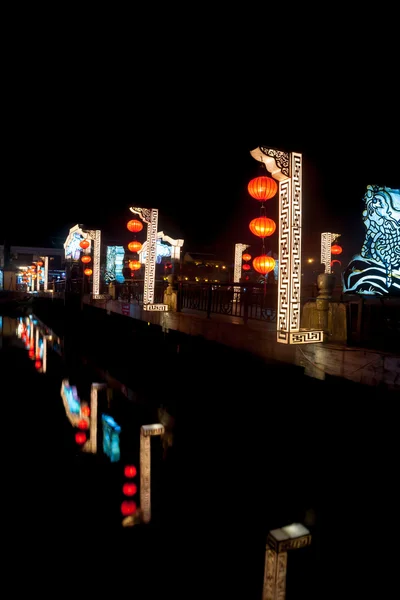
column 247, row 447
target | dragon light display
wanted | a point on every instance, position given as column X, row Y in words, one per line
column 376, row 270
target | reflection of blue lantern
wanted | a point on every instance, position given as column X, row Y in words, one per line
column 111, row 431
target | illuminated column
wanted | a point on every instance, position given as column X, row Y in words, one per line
column 149, row 216
column 279, row 542
column 286, row 168
column 146, row 432
column 46, row 272
column 327, row 240
column 95, row 235
column 239, row 249
column 38, row 269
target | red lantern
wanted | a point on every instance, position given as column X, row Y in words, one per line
column 262, row 188
column 88, row 272
column 246, row 256
column 336, row 249
column 246, row 267
column 86, row 259
column 134, row 246
column 262, row 227
column 134, row 225
column 38, row 364
column 84, row 244
column 40, row 263
column 263, row 264
column 134, row 265
column 336, row 261
column 130, row 471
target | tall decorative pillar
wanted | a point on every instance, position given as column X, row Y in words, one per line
column 286, row 168
column 239, row 249
column 146, row 432
column 149, row 216
column 327, row 239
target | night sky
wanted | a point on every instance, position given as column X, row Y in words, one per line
column 87, row 136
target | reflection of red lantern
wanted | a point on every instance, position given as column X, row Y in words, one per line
column 38, row 364
column 130, row 471
column 86, row 259
column 134, row 265
column 84, row 244
column 262, row 188
column 262, row 227
column 88, row 272
column 82, row 424
column 85, row 410
column 129, row 489
column 246, row 256
column 336, row 249
column 134, row 225
column 263, row 264
column 80, row 437
column 246, row 267
column 128, row 507
column 134, row 246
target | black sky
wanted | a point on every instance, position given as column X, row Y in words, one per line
column 90, row 132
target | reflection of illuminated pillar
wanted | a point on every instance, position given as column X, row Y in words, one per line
column 286, row 168
column 146, row 432
column 327, row 240
column 279, row 541
column 237, row 273
column 149, row 216
column 91, row 444
column 44, row 359
column 37, row 349
column 38, row 270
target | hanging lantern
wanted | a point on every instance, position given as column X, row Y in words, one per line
column 263, row 264
column 262, row 188
column 134, row 246
column 134, row 265
column 246, row 267
column 86, row 259
column 336, row 261
column 88, row 272
column 134, row 225
column 40, row 263
column 246, row 256
column 262, row 227
column 84, row 244
column 336, row 249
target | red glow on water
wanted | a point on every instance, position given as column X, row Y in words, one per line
column 80, row 437
column 82, row 424
column 129, row 489
column 31, row 353
column 128, row 507
column 38, row 364
column 130, row 471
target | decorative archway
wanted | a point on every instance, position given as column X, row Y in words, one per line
column 73, row 251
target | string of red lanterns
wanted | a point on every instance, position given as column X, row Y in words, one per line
column 263, row 189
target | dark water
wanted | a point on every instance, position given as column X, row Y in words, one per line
column 248, row 447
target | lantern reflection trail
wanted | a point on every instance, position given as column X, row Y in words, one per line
column 146, row 432
column 279, row 541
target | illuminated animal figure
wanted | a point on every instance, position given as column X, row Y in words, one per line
column 382, row 221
